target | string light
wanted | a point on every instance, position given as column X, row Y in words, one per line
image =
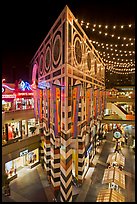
column 116, row 45
column 117, row 64
column 113, row 26
column 107, row 34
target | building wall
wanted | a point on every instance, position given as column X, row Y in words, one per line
column 65, row 67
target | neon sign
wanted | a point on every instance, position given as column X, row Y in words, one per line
column 5, row 86
column 42, row 84
column 24, row 86
column 3, row 89
column 9, row 96
column 25, row 94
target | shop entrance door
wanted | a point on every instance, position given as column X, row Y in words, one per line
column 25, row 160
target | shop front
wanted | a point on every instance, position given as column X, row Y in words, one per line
column 18, row 130
column 18, row 96
column 26, row 160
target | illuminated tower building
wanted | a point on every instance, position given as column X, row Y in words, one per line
column 69, row 101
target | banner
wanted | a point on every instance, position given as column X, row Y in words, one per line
column 39, row 104
column 101, row 101
column 88, row 104
column 35, row 104
column 46, row 106
column 95, row 103
column 75, row 107
column 56, row 93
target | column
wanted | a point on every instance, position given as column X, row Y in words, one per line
column 55, row 166
column 47, row 154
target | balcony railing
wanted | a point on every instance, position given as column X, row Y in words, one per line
column 17, row 115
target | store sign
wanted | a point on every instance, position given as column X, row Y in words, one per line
column 24, row 86
column 127, row 89
column 117, row 134
column 6, row 86
column 8, row 96
column 42, row 85
column 3, row 89
column 24, row 152
column 25, row 94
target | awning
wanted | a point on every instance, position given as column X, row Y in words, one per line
column 116, row 157
column 115, row 175
column 110, row 195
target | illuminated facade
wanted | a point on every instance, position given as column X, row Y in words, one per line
column 69, row 100
column 21, row 136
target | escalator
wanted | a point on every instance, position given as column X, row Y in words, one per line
column 122, row 112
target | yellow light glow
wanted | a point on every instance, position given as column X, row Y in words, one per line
column 112, row 35
column 114, row 27
column 130, row 25
column 122, row 26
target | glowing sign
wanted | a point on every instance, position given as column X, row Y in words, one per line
column 24, row 86
column 25, row 94
column 3, row 89
column 117, row 135
column 24, row 152
column 5, row 86
column 9, row 96
column 42, row 84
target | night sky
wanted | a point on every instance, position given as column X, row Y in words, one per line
column 25, row 25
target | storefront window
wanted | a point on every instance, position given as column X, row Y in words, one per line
column 33, row 157
column 13, row 167
column 24, row 103
column 13, row 130
column 31, row 123
column 24, row 128
column 10, row 169
column 6, row 106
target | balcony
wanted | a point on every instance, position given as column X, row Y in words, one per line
column 21, row 144
column 17, row 115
